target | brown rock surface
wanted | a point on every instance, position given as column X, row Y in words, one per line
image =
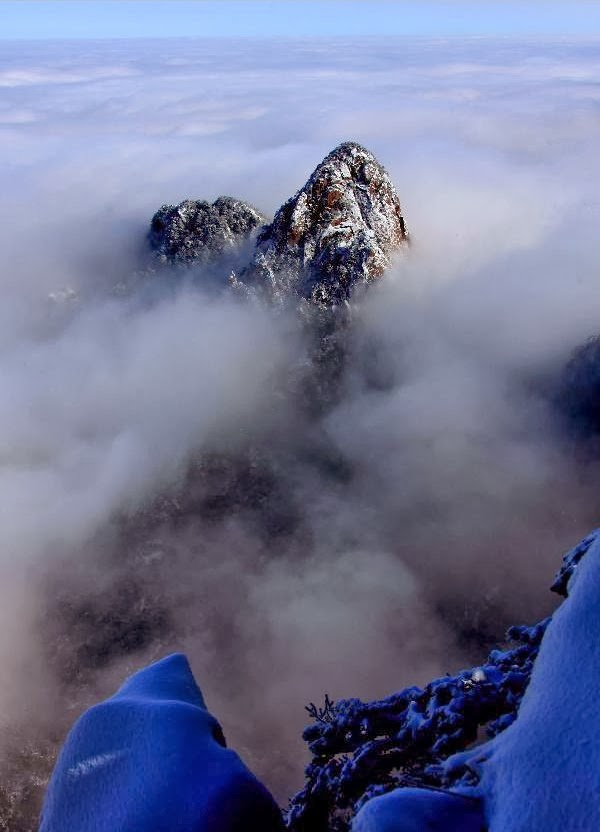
column 338, row 231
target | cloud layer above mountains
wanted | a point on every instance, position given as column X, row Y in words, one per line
column 463, row 493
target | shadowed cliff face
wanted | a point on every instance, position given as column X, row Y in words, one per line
column 338, row 231
column 578, row 397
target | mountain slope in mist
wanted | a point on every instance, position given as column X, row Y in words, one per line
column 249, row 479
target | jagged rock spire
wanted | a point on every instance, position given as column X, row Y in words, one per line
column 339, row 230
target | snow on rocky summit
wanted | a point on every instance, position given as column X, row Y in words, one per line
column 196, row 231
column 338, row 231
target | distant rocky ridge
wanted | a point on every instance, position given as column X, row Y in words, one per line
column 338, row 231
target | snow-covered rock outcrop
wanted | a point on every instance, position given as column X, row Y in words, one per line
column 196, row 231
column 578, row 396
column 153, row 758
column 339, row 230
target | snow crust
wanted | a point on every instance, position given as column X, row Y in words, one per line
column 338, row 231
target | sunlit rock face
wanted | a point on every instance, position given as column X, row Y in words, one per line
column 196, row 231
column 338, row 231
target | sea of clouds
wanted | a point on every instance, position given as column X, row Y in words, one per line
column 462, row 491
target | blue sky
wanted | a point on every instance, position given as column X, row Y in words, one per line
column 163, row 18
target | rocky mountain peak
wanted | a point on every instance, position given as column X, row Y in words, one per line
column 340, row 229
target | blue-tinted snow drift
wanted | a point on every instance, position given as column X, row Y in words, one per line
column 152, row 759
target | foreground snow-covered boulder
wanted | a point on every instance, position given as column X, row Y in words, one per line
column 152, row 759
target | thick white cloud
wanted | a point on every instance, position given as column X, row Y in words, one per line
column 462, row 495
